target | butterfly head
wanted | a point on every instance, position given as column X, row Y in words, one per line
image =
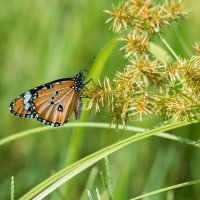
column 78, row 80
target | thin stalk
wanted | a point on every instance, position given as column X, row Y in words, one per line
column 34, row 131
column 169, row 47
column 168, row 188
column 178, row 91
column 183, row 43
column 12, row 189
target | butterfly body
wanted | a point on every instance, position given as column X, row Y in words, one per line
column 51, row 103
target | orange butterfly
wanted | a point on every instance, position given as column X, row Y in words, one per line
column 53, row 102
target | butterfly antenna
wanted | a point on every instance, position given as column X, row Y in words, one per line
column 87, row 62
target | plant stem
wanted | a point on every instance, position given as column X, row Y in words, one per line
column 169, row 47
column 38, row 130
column 168, row 188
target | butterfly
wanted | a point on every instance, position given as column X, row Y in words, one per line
column 51, row 103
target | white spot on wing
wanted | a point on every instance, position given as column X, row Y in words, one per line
column 27, row 97
column 27, row 106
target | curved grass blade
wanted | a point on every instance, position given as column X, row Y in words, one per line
column 30, row 132
column 168, row 188
column 56, row 180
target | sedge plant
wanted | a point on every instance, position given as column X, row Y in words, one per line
column 146, row 86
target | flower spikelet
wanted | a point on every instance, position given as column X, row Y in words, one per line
column 119, row 16
column 197, row 47
column 144, row 71
column 145, row 16
column 172, row 71
column 178, row 107
column 100, row 94
column 191, row 75
column 135, row 43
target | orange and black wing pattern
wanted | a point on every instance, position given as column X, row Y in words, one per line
column 51, row 103
column 22, row 105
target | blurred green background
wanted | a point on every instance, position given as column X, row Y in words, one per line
column 43, row 40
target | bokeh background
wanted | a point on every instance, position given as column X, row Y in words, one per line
column 44, row 40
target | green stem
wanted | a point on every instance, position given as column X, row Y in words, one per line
column 93, row 125
column 178, row 91
column 167, row 189
column 169, row 47
column 182, row 42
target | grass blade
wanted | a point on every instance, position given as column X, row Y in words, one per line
column 168, row 188
column 53, row 182
column 34, row 131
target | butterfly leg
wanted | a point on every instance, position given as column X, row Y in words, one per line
column 88, row 82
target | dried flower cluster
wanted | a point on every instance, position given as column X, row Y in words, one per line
column 144, row 15
column 197, row 47
column 147, row 87
column 142, row 19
